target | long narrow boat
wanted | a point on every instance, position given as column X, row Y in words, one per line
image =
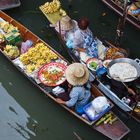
column 114, row 98
column 53, row 19
column 115, row 131
column 119, row 10
column 8, row 4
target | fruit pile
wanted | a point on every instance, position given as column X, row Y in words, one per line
column 51, row 7
column 7, row 27
column 1, row 37
column 11, row 51
column 36, row 57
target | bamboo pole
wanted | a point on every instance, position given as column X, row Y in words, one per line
column 121, row 24
column 77, row 136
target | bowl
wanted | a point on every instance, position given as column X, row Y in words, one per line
column 93, row 64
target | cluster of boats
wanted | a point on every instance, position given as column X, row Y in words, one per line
column 133, row 16
column 112, row 52
column 34, row 66
column 116, row 130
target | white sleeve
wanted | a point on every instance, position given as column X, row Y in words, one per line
column 78, row 39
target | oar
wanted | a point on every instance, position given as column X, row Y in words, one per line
column 77, row 136
column 124, row 84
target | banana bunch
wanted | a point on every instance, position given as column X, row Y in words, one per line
column 50, row 7
column 4, row 26
column 62, row 12
column 36, row 57
column 11, row 51
column 1, row 37
column 7, row 27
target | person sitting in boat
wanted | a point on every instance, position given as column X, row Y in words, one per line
column 125, row 93
column 65, row 26
column 83, row 41
column 77, row 75
column 122, row 90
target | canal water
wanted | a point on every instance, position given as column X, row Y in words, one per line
column 25, row 113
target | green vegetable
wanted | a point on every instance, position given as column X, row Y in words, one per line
column 113, row 120
column 103, row 119
column 108, row 120
column 93, row 65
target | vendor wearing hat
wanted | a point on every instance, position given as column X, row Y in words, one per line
column 77, row 76
column 65, row 26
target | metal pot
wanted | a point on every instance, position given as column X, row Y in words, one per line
column 135, row 63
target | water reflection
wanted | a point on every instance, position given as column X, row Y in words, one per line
column 13, row 118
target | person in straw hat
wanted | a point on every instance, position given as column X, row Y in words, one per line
column 77, row 76
column 65, row 26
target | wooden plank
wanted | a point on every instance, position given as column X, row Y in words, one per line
column 117, row 130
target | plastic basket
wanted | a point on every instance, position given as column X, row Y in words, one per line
column 97, row 115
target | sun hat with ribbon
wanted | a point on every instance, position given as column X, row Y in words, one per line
column 77, row 74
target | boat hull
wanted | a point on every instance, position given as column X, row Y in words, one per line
column 8, row 4
column 121, row 128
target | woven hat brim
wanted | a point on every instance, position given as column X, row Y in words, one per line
column 65, row 27
column 75, row 80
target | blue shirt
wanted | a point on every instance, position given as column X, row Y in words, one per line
column 89, row 43
column 83, row 39
column 78, row 96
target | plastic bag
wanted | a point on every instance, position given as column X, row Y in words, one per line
column 100, row 104
column 25, row 46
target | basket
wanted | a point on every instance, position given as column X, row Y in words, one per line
column 97, row 115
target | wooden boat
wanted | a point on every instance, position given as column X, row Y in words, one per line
column 114, row 98
column 53, row 19
column 8, row 4
column 112, row 4
column 115, row 131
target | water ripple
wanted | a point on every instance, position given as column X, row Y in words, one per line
column 13, row 118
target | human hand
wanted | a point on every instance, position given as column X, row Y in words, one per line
column 131, row 91
column 60, row 101
column 81, row 49
column 69, row 87
column 51, row 25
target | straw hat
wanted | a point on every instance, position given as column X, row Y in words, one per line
column 77, row 74
column 66, row 23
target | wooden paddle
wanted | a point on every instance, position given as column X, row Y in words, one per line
column 77, row 136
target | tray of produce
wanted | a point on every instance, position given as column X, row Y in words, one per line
column 52, row 74
column 93, row 64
